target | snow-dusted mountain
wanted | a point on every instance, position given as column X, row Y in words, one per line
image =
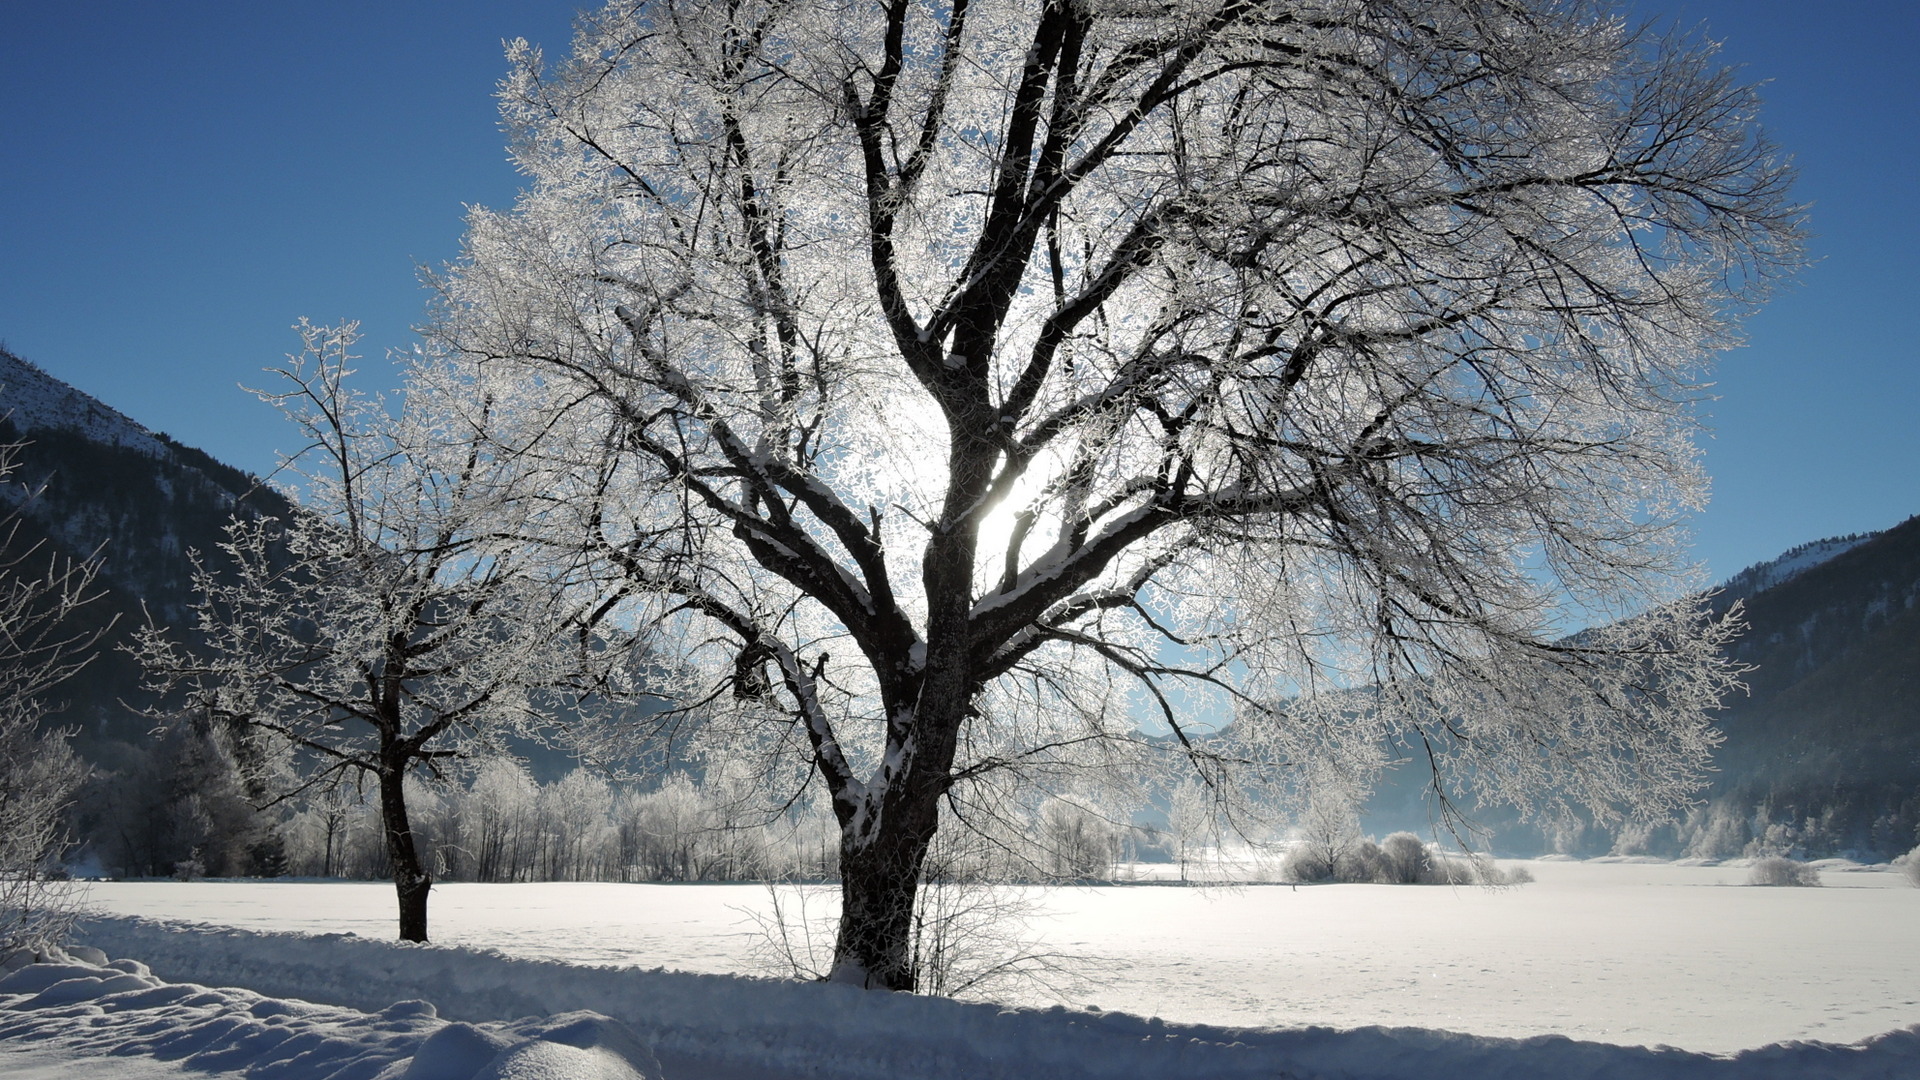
column 1822, row 750
column 36, row 401
column 139, row 501
column 108, row 483
column 1822, row 755
column 1789, row 565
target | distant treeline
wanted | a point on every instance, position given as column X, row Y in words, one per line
column 1865, row 821
column 181, row 808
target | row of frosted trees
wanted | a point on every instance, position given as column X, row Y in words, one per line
column 504, row 825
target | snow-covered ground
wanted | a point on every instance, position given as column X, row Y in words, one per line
column 1631, row 953
column 138, row 1026
column 1607, row 953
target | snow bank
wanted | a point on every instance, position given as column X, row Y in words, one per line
column 712, row 1026
column 122, row 1010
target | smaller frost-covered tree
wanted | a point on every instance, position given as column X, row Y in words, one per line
column 1327, row 834
column 574, row 828
column 501, row 804
column 658, row 831
column 384, row 631
column 39, row 649
column 1077, row 842
column 320, row 832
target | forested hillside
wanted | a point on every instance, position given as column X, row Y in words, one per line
column 1822, row 751
column 103, row 485
column 94, row 483
column 1823, row 754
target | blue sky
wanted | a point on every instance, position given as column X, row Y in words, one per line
column 183, row 181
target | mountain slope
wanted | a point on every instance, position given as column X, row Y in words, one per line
column 1817, row 616
column 1792, row 563
column 94, row 482
column 1822, row 751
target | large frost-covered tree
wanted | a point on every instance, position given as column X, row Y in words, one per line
column 955, row 381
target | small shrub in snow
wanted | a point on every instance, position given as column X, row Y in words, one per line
column 1518, row 875
column 1910, row 864
column 1444, row 871
column 1778, row 870
column 1400, row 859
column 1307, row 864
column 1405, row 860
column 1488, row 873
column 1363, row 861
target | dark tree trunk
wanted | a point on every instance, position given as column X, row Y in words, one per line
column 881, row 860
column 879, row 881
column 880, row 867
column 410, row 880
column 413, row 907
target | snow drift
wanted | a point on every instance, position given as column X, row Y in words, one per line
column 121, row 1009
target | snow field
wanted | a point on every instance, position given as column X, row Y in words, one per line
column 1617, row 952
column 80, row 1021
